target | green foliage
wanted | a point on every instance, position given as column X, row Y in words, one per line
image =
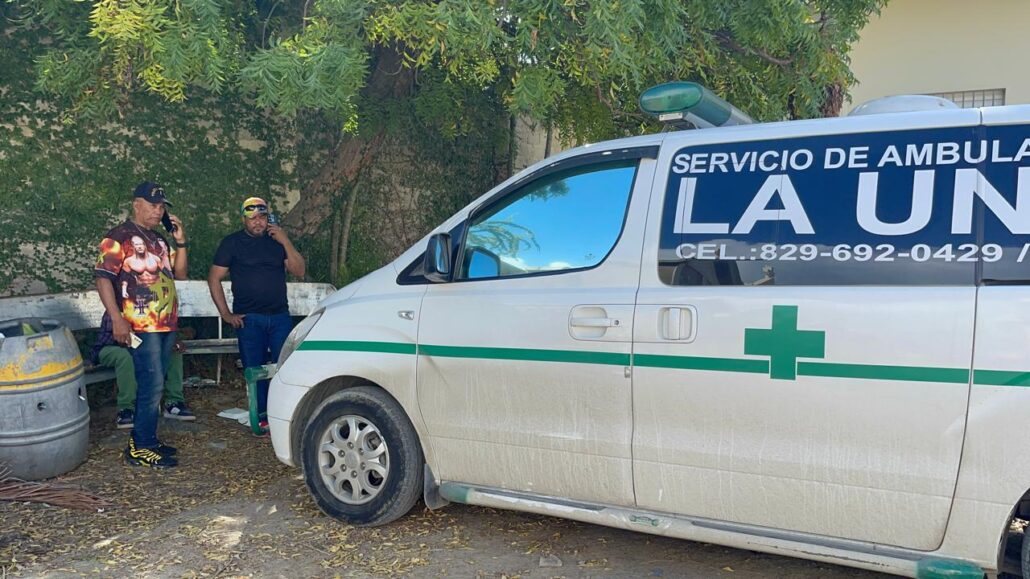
column 163, row 47
column 558, row 60
column 774, row 57
column 308, row 71
column 63, row 184
column 182, row 79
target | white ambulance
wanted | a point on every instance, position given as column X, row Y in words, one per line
column 808, row 338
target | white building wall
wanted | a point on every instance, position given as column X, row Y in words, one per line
column 943, row 46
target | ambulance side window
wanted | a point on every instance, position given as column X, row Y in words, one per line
column 849, row 209
column 1006, row 255
column 565, row 221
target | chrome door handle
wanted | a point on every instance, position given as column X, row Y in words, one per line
column 596, row 322
column 671, row 329
column 677, row 323
column 602, row 322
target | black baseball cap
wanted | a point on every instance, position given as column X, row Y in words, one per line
column 151, row 192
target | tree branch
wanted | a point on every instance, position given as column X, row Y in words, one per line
column 729, row 43
column 264, row 26
column 618, row 112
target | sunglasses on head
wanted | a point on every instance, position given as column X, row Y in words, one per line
column 252, row 210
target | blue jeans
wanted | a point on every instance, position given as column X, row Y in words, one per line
column 151, row 360
column 261, row 339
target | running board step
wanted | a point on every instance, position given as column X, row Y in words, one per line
column 858, row 554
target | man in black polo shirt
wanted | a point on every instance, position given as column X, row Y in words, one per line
column 256, row 258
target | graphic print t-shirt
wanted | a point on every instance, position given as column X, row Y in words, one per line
column 138, row 262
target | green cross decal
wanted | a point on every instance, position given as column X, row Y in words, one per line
column 784, row 343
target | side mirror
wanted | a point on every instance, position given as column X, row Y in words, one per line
column 437, row 264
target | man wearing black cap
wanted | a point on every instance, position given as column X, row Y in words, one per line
column 135, row 280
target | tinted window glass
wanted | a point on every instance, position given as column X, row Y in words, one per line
column 1006, row 240
column 860, row 209
column 566, row 220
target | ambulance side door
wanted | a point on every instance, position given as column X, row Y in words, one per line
column 523, row 365
column 804, row 329
column 995, row 469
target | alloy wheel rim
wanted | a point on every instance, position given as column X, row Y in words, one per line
column 353, row 459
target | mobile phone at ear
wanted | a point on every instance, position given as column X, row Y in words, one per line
column 167, row 222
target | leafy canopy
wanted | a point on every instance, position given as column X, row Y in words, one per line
column 577, row 64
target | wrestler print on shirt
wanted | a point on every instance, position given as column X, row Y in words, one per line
column 139, row 264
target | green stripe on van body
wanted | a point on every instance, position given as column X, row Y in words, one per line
column 358, row 346
column 877, row 372
column 820, row 369
column 737, row 365
column 529, row 355
column 702, row 363
column 1001, row 378
column 471, row 352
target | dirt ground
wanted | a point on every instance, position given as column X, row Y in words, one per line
column 232, row 510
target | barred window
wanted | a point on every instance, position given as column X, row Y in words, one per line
column 970, row 99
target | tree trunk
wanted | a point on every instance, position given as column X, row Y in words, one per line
column 334, row 248
column 550, row 135
column 834, row 101
column 512, row 128
column 348, row 217
column 389, row 79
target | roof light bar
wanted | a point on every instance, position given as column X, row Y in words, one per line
column 675, row 102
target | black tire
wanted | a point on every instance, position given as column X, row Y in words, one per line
column 374, row 416
column 1024, row 556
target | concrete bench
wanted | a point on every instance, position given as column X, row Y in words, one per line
column 83, row 311
column 96, row 374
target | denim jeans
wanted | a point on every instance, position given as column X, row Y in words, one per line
column 261, row 339
column 151, row 360
column 120, row 359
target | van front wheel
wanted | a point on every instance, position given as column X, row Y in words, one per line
column 362, row 458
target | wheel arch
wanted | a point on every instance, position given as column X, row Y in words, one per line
column 1012, row 535
column 310, row 402
column 324, row 389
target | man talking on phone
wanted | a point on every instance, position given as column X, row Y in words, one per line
column 256, row 258
column 135, row 276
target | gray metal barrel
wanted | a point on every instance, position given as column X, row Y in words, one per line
column 44, row 415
